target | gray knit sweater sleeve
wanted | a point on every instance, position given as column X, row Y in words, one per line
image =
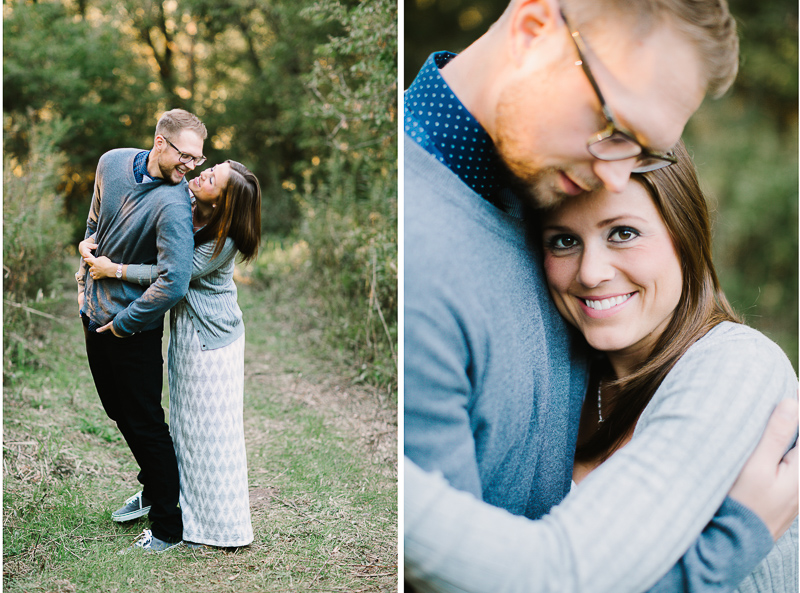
column 202, row 264
column 637, row 514
column 142, row 274
column 212, row 295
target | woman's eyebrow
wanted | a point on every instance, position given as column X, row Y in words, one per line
column 555, row 227
column 613, row 219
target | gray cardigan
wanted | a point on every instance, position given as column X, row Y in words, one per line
column 211, row 298
column 639, row 511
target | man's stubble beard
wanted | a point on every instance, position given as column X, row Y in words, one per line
column 535, row 184
column 166, row 173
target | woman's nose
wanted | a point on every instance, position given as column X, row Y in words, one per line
column 595, row 267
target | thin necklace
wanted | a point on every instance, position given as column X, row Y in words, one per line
column 599, row 402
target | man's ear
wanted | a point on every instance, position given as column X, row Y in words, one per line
column 159, row 143
column 531, row 22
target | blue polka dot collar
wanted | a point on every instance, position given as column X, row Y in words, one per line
column 439, row 122
column 140, row 167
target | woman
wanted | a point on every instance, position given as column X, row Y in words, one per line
column 206, row 356
column 633, row 272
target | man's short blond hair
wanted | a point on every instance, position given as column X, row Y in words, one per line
column 175, row 121
column 706, row 24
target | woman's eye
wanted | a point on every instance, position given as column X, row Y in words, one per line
column 561, row 242
column 623, row 234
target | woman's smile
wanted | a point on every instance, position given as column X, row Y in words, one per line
column 605, row 306
column 612, row 270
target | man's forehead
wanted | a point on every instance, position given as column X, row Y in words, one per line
column 653, row 84
column 190, row 138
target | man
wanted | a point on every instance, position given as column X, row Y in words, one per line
column 141, row 212
column 493, row 382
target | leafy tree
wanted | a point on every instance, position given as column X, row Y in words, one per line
column 303, row 94
column 58, row 63
column 746, row 152
column 349, row 198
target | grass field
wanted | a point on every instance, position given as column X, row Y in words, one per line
column 322, row 459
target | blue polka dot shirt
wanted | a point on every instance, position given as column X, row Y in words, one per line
column 439, row 122
column 140, row 167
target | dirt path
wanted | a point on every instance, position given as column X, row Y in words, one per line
column 349, row 409
column 322, row 464
column 279, row 360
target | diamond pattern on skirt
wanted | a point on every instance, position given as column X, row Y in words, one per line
column 206, row 390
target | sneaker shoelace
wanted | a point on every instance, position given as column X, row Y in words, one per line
column 144, row 539
column 136, row 498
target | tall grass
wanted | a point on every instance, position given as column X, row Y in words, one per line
column 348, row 191
column 342, row 261
column 353, row 261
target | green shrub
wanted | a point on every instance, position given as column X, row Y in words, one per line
column 36, row 238
column 352, row 237
column 749, row 174
column 345, row 252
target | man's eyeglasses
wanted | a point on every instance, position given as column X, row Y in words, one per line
column 613, row 143
column 184, row 157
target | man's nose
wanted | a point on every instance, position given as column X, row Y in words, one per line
column 614, row 174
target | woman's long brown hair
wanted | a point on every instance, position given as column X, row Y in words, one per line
column 237, row 215
column 702, row 305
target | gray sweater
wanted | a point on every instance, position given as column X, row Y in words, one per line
column 494, row 381
column 147, row 222
column 211, row 298
column 492, row 402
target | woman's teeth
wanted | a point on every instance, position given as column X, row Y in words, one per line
column 607, row 303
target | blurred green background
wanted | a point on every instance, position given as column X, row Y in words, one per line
column 303, row 93
column 744, row 145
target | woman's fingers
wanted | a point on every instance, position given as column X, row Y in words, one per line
column 86, row 249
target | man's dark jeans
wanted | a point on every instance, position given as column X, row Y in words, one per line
column 128, row 375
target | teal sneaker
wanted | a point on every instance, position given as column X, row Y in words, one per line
column 136, row 506
column 150, row 544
